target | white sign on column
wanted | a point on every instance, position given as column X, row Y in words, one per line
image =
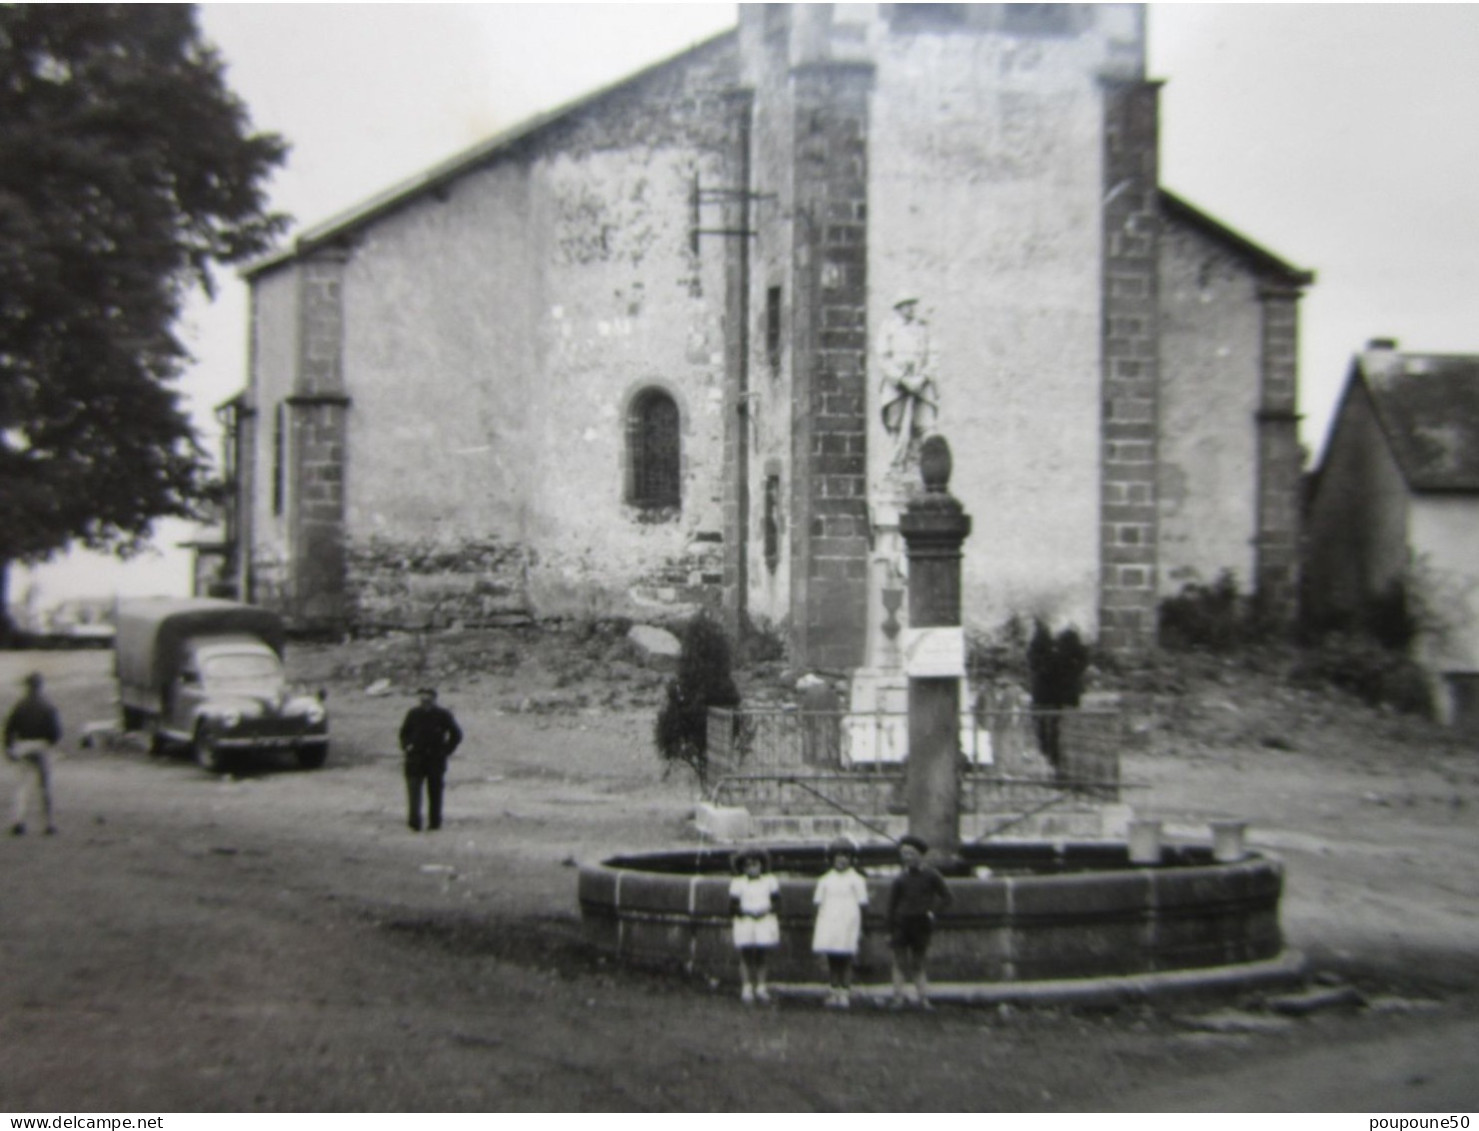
column 935, row 653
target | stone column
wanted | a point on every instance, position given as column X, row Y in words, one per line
column 318, row 427
column 740, row 108
column 1280, row 459
column 829, row 326
column 1130, row 454
column 934, row 527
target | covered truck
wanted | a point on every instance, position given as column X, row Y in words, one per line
column 207, row 674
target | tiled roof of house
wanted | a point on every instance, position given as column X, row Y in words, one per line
column 1428, row 408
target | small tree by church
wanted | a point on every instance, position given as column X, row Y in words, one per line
column 704, row 680
column 1057, row 664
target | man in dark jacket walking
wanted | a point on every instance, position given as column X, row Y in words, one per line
column 32, row 729
column 429, row 735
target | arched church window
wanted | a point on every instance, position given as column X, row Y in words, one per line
column 654, row 451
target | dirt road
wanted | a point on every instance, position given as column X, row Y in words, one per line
column 280, row 941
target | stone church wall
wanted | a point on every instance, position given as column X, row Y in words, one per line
column 1210, row 378
column 274, row 352
column 772, row 273
column 458, row 365
column 984, row 203
column 496, row 331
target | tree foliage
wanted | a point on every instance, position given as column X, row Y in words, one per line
column 704, row 679
column 127, row 170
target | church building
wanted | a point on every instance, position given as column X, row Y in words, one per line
column 677, row 344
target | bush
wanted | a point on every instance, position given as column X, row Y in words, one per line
column 1211, row 617
column 1391, row 617
column 704, row 679
column 763, row 643
column 998, row 655
column 1057, row 665
column 1376, row 675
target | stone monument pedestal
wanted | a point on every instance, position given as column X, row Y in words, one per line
column 876, row 727
column 877, row 723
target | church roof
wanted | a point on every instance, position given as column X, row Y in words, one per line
column 1260, row 259
column 1427, row 405
column 435, row 179
column 440, row 175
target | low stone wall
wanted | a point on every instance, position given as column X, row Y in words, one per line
column 420, row 584
column 1048, row 911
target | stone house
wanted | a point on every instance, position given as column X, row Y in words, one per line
column 1396, row 499
column 627, row 358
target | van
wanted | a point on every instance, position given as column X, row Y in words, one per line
column 207, row 675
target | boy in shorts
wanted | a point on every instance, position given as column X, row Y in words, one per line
column 917, row 893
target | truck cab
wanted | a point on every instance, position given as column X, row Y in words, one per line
column 208, row 675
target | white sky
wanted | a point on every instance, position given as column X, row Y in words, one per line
column 1344, row 138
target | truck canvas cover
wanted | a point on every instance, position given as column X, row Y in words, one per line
column 152, row 633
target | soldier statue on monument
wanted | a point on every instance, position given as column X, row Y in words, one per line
column 907, row 391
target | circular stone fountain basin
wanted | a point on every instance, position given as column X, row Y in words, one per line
column 1022, row 912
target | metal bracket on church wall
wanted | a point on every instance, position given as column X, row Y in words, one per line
column 699, row 196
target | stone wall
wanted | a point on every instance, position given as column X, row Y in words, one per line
column 986, row 181
column 772, row 294
column 1210, row 378
column 275, row 328
column 1444, row 543
column 408, row 585
column 1359, row 516
column 496, row 331
column 458, row 369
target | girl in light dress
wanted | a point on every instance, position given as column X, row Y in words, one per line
column 754, row 895
column 840, row 897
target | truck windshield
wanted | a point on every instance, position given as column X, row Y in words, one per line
column 241, row 669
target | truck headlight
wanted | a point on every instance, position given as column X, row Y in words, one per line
column 314, row 712
column 230, row 719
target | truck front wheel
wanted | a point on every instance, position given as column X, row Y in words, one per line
column 313, row 757
column 208, row 756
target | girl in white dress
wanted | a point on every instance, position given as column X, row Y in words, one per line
column 840, row 898
column 753, row 898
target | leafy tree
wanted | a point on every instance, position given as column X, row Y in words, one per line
column 127, row 169
column 704, row 679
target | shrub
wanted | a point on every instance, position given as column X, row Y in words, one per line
column 1376, row 675
column 998, row 655
column 704, row 679
column 1211, row 617
column 1392, row 617
column 1057, row 665
column 763, row 643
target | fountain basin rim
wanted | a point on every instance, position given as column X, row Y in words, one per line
column 1288, row 967
column 1062, row 919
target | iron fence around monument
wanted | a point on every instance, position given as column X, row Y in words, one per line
column 788, row 761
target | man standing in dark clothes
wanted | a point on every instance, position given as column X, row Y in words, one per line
column 32, row 729
column 918, row 892
column 429, row 735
